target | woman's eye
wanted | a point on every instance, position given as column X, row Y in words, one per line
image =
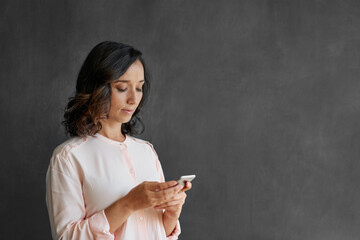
column 121, row 89
column 124, row 89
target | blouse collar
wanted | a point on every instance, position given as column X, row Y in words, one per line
column 108, row 140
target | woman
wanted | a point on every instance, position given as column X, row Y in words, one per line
column 103, row 183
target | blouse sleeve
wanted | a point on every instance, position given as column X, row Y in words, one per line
column 66, row 206
column 177, row 230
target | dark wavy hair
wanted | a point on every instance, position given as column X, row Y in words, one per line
column 106, row 62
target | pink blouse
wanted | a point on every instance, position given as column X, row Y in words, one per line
column 86, row 175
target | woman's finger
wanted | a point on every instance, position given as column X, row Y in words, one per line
column 166, row 195
column 170, row 204
column 157, row 186
column 188, row 186
column 178, row 200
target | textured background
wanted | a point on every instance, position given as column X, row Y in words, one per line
column 259, row 99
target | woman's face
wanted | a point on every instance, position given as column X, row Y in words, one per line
column 126, row 94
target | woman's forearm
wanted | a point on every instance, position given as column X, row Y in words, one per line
column 169, row 221
column 118, row 213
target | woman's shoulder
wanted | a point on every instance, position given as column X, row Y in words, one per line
column 67, row 146
column 142, row 142
column 138, row 140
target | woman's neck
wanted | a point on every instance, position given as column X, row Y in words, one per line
column 112, row 131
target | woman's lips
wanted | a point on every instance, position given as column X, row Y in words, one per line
column 127, row 111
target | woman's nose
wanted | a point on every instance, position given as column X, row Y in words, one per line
column 131, row 97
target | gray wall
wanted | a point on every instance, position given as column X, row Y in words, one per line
column 259, row 99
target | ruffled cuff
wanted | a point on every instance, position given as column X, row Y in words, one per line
column 100, row 226
column 175, row 233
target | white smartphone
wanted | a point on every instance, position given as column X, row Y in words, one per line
column 187, row 178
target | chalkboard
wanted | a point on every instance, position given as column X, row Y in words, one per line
column 259, row 99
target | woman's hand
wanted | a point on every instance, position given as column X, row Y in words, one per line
column 144, row 195
column 174, row 206
column 150, row 194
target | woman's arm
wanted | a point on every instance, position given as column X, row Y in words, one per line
column 173, row 209
column 117, row 214
column 172, row 213
column 66, row 208
column 170, row 222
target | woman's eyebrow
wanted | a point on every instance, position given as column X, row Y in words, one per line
column 126, row 81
